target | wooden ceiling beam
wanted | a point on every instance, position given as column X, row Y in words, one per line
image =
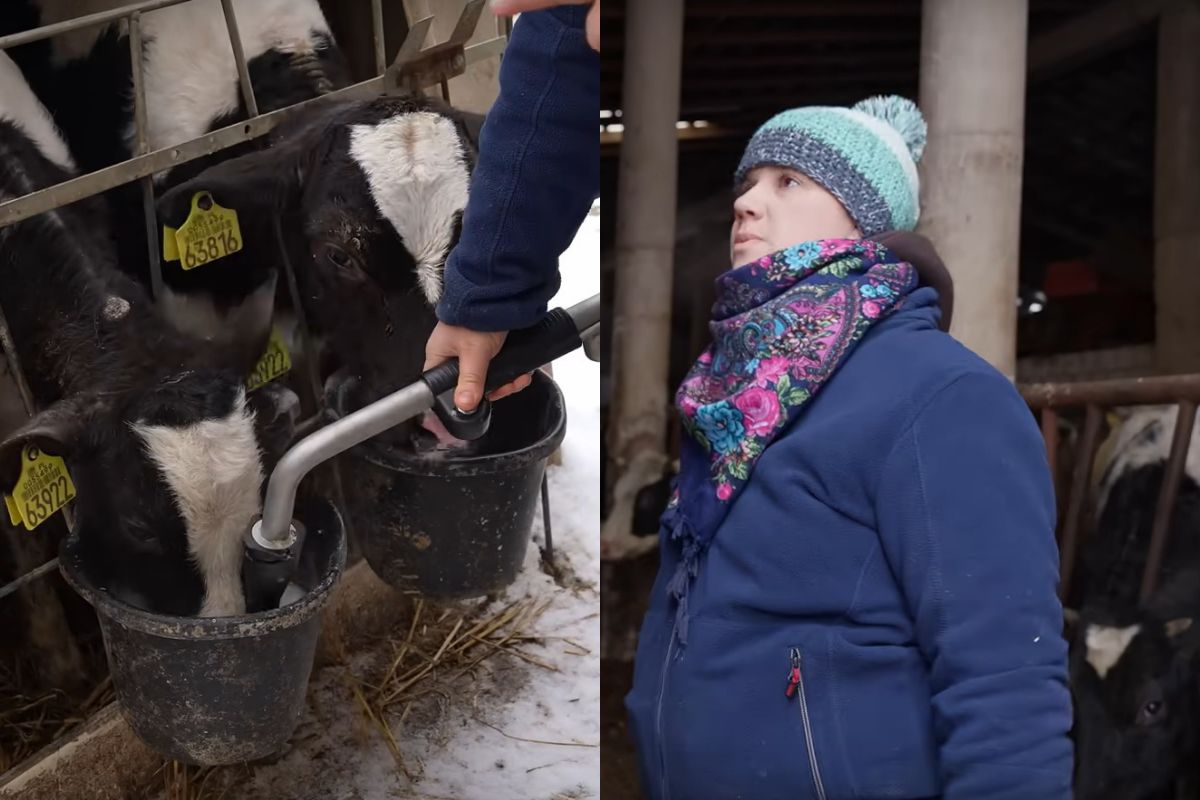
column 787, row 9
column 726, row 63
column 748, row 84
column 1090, row 35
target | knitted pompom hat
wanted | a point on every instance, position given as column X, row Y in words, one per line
column 866, row 156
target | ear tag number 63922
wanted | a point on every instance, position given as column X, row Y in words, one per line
column 42, row 490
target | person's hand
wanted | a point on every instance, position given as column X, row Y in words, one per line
column 474, row 351
column 506, row 8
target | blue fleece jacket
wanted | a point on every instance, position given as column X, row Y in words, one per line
column 537, row 175
column 896, row 544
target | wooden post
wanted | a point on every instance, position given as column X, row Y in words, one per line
column 1177, row 190
column 642, row 309
column 972, row 91
column 645, row 249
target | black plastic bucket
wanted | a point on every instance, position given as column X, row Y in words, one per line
column 219, row 690
column 453, row 525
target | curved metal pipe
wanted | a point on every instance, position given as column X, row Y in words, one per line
column 273, row 530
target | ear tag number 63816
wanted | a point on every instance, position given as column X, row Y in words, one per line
column 210, row 233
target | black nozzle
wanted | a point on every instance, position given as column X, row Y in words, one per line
column 465, row 425
column 266, row 571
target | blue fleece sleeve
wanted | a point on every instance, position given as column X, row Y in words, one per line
column 966, row 513
column 537, row 176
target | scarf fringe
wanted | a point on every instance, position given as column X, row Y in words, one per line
column 681, row 531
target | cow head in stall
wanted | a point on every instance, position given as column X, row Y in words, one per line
column 168, row 476
column 371, row 195
column 1135, row 681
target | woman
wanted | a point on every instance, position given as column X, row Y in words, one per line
column 857, row 592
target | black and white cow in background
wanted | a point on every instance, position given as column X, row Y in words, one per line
column 1135, row 669
column 371, row 195
column 191, row 88
column 164, row 446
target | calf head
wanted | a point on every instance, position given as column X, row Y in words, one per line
column 1134, row 685
column 168, row 476
column 372, row 196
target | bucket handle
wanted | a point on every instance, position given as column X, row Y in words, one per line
column 557, row 334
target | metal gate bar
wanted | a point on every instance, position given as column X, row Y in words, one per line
column 1182, row 391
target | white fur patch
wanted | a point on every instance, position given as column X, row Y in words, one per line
column 214, row 471
column 416, row 167
column 115, row 308
column 1131, row 449
column 191, row 77
column 1106, row 645
column 19, row 105
column 195, row 314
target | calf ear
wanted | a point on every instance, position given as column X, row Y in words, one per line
column 55, row 430
column 257, row 182
column 1177, row 626
column 1070, row 623
column 276, row 412
column 469, row 125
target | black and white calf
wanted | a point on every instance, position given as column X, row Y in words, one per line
column 1137, row 702
column 1134, row 669
column 164, row 446
column 371, row 195
column 191, row 88
column 1114, row 555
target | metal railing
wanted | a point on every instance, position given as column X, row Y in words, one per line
column 1096, row 397
column 414, row 69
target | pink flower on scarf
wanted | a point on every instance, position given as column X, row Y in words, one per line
column 705, row 357
column 770, row 370
column 760, row 410
column 724, row 492
column 765, row 261
column 871, row 309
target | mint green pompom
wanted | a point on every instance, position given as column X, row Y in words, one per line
column 903, row 115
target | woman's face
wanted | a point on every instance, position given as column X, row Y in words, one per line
column 777, row 207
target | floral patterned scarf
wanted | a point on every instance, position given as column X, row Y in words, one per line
column 782, row 325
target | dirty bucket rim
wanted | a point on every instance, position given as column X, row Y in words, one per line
column 240, row 626
column 399, row 460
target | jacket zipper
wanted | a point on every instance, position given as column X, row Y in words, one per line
column 662, row 688
column 795, row 687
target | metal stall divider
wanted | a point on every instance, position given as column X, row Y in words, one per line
column 1046, row 399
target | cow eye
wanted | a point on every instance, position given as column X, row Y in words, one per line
column 337, row 256
column 1150, row 712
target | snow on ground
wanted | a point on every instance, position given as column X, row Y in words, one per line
column 562, row 706
column 337, row 755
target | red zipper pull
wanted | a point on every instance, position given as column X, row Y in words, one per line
column 793, row 675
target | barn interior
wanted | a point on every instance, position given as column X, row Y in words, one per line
column 1101, row 287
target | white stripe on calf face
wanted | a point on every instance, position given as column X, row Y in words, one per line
column 416, row 167
column 214, row 470
column 19, row 105
column 196, row 314
column 1106, row 645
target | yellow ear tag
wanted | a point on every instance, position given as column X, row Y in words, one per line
column 14, row 513
column 275, row 361
column 210, row 233
column 42, row 490
column 170, row 246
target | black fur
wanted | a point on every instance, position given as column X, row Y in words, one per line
column 94, row 376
